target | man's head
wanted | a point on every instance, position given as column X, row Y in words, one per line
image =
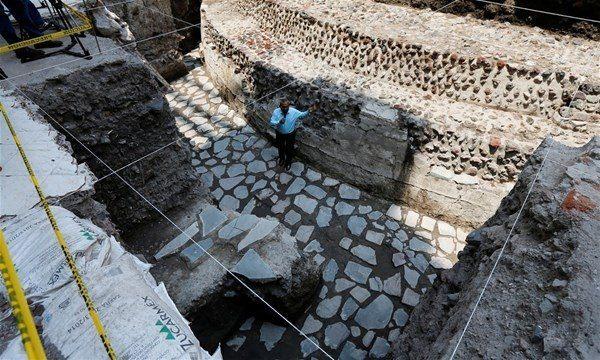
column 284, row 105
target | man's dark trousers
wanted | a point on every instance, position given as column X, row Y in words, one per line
column 286, row 146
column 27, row 16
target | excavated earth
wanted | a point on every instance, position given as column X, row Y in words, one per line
column 542, row 300
column 505, row 11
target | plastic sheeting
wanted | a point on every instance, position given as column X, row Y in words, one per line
column 141, row 320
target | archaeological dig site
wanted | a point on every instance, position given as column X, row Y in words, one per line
column 300, row 179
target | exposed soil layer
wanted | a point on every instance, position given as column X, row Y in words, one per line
column 117, row 110
column 187, row 11
column 589, row 9
column 147, row 19
column 542, row 300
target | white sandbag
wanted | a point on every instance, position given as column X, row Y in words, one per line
column 41, row 265
column 140, row 319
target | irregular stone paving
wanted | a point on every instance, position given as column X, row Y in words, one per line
column 378, row 258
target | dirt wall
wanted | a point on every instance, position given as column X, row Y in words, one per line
column 589, row 9
column 118, row 111
column 542, row 300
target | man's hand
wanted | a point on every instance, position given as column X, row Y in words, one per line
column 313, row 107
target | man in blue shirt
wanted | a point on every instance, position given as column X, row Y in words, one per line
column 285, row 120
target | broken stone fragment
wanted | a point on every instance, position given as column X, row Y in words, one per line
column 253, row 267
column 268, row 261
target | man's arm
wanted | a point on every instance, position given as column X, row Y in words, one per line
column 303, row 114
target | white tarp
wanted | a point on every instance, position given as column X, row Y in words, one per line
column 139, row 317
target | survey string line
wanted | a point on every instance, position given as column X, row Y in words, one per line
column 231, row 273
column 477, row 302
column 538, row 11
column 489, row 278
column 97, row 54
column 56, row 201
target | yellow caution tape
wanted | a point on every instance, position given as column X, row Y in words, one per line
column 18, row 302
column 61, row 241
column 87, row 25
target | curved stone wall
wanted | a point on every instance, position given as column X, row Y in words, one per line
column 456, row 161
column 470, row 79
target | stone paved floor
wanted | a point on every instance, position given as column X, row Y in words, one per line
column 377, row 257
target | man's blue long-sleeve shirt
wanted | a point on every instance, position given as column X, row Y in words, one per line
column 291, row 120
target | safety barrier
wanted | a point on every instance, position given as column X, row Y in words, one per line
column 61, row 241
column 18, row 302
column 87, row 25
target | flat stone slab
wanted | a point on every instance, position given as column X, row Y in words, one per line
column 380, row 349
column 335, row 334
column 313, row 246
column 315, row 191
column 304, row 232
column 330, row 271
column 343, row 208
column 419, row 245
column 348, row 192
column 375, row 237
column 377, row 314
column 236, row 342
column 393, row 285
column 210, row 219
column 238, row 226
column 400, row 317
column 311, row 325
column 411, row 276
column 305, row 203
column 292, row 217
column 262, row 229
column 178, row 242
column 357, row 272
column 343, row 284
column 254, row 268
column 324, row 216
column 349, row 308
column 410, row 298
column 365, row 253
column 194, row 254
column 257, row 167
column 360, row 294
column 296, row 186
column 395, row 212
column 351, row 352
column 357, row 225
column 230, row 183
column 270, row 335
column 327, row 308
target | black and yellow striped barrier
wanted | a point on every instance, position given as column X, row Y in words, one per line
column 18, row 302
column 61, row 242
column 87, row 25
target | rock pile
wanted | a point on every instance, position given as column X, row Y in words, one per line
column 261, row 252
